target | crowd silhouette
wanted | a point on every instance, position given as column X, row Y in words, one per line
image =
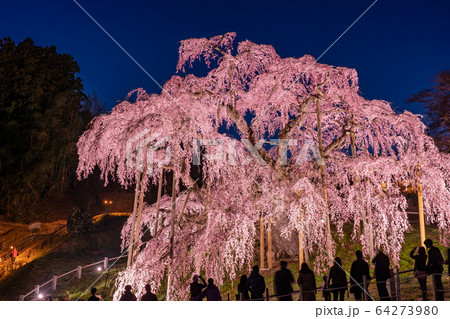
column 334, row 285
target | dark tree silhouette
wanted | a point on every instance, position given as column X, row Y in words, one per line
column 436, row 100
column 41, row 118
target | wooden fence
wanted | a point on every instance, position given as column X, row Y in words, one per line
column 39, row 291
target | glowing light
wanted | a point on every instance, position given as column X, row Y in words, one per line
column 99, row 268
column 110, row 201
column 40, row 296
column 106, row 202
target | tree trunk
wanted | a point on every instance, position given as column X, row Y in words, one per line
column 322, row 174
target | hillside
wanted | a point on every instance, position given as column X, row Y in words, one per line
column 105, row 241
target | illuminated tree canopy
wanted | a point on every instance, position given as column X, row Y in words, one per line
column 260, row 119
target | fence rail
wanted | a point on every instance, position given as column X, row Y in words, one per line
column 394, row 284
column 79, row 271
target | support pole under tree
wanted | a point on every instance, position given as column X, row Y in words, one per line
column 322, row 174
column 172, row 232
column 261, row 242
column 138, row 224
column 172, row 214
column 185, row 245
column 133, row 219
column 300, row 237
column 158, row 198
column 269, row 244
column 79, row 270
column 420, row 201
column 300, row 243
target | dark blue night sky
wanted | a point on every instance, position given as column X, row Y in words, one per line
column 397, row 47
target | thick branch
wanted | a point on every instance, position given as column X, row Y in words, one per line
column 336, row 143
column 296, row 120
column 247, row 131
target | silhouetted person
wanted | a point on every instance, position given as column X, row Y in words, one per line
column 211, row 292
column 307, row 282
column 14, row 254
column 128, row 295
column 94, row 297
column 196, row 287
column 420, row 269
column 256, row 284
column 148, row 296
column 243, row 288
column 382, row 274
column 326, row 289
column 283, row 282
column 338, row 280
column 435, row 267
column 359, row 269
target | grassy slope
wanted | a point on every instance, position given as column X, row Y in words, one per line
column 81, row 250
column 105, row 242
column 345, row 249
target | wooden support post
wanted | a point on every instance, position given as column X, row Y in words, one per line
column 172, row 213
column 241, row 296
column 228, row 296
column 139, row 214
column 397, row 277
column 420, row 201
column 79, row 270
column 37, row 288
column 267, row 294
column 54, row 282
column 261, row 242
column 158, row 198
column 172, row 231
column 269, row 244
column 322, row 174
column 366, row 286
column 133, row 220
column 185, row 244
column 105, row 263
column 300, row 250
column 168, row 284
column 300, row 241
column 21, row 298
